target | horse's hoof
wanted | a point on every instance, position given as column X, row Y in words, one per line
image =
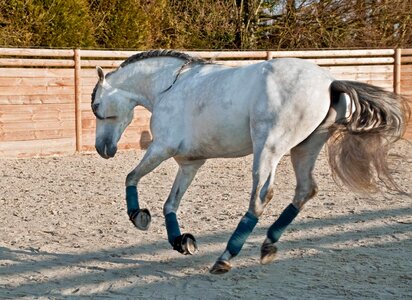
column 221, row 267
column 185, row 244
column 141, row 219
column 268, row 253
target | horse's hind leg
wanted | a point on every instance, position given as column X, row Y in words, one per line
column 183, row 243
column 303, row 158
column 265, row 161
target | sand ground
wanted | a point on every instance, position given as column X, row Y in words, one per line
column 64, row 233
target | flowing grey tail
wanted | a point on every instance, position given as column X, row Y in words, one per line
column 358, row 148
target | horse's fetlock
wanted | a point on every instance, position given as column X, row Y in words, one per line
column 256, row 210
column 299, row 203
column 267, row 252
column 301, row 197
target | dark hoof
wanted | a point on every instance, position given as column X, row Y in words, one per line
column 221, row 267
column 267, row 253
column 185, row 244
column 141, row 219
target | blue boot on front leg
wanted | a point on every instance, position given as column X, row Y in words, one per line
column 183, row 243
column 140, row 218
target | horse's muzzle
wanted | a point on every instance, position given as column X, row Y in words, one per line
column 106, row 150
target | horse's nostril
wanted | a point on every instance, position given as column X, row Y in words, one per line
column 95, row 106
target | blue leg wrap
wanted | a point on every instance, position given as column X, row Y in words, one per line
column 172, row 227
column 243, row 230
column 132, row 200
column 285, row 218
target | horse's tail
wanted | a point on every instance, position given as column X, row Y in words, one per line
column 358, row 148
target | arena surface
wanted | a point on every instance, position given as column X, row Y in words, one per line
column 64, row 233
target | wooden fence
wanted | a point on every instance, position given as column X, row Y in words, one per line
column 45, row 93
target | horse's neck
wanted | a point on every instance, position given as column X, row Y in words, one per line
column 147, row 79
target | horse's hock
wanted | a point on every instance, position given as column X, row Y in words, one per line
column 45, row 93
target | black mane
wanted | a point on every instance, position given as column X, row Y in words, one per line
column 162, row 53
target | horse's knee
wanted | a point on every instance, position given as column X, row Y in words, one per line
column 131, row 179
column 170, row 206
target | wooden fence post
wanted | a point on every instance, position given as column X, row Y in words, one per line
column 397, row 71
column 78, row 99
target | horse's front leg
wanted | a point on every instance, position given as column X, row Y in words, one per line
column 183, row 243
column 154, row 155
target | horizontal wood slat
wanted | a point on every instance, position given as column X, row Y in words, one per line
column 36, row 90
column 36, row 73
column 406, row 59
column 36, row 81
column 36, row 52
column 27, row 135
column 36, row 99
column 23, row 62
column 32, row 113
column 101, row 63
column 43, row 147
column 407, row 51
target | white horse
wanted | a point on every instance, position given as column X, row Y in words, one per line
column 204, row 110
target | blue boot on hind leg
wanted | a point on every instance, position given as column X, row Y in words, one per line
column 235, row 243
column 269, row 249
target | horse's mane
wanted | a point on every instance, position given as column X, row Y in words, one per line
column 162, row 53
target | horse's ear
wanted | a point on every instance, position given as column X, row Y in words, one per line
column 100, row 73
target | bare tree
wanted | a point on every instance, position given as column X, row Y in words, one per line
column 336, row 24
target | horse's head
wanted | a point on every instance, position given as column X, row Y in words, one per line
column 113, row 109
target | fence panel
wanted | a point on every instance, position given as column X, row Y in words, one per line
column 36, row 112
column 45, row 93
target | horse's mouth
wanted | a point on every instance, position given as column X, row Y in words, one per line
column 106, row 150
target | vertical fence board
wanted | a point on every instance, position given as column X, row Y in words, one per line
column 397, row 72
column 78, row 99
column 406, row 83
